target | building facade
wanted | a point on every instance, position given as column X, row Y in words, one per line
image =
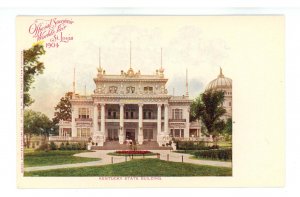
column 130, row 107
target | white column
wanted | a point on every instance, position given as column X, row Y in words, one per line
column 187, row 127
column 140, row 129
column 74, row 115
column 102, row 130
column 166, row 122
column 95, row 119
column 158, row 119
column 102, row 119
column 121, row 134
column 159, row 134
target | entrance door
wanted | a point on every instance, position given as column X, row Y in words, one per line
column 113, row 135
column 130, row 134
column 148, row 134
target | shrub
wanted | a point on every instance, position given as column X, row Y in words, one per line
column 74, row 146
column 62, row 146
column 84, row 146
column 81, row 146
column 53, row 146
column 44, row 146
column 218, row 154
column 190, row 145
column 68, row 146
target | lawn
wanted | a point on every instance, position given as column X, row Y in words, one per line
column 225, row 144
column 139, row 167
column 54, row 157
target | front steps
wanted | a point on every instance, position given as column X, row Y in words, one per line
column 114, row 145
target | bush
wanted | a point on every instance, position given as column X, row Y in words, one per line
column 62, row 146
column 44, row 147
column 74, row 146
column 68, row 146
column 53, row 146
column 84, row 146
column 218, row 154
column 188, row 145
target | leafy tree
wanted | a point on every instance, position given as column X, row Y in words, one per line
column 208, row 108
column 228, row 126
column 35, row 123
column 228, row 129
column 63, row 109
column 32, row 68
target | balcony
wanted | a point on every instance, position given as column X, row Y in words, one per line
column 177, row 120
column 83, row 119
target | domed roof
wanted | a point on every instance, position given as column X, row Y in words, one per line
column 221, row 82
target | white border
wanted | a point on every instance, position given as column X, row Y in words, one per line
column 8, row 85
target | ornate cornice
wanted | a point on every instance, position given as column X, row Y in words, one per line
column 127, row 79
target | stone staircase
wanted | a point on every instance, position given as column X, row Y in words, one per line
column 114, row 145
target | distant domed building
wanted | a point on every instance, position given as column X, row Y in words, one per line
column 222, row 83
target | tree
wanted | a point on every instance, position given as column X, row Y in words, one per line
column 228, row 126
column 35, row 123
column 32, row 67
column 228, row 129
column 63, row 109
column 208, row 108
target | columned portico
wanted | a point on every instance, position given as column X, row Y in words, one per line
column 121, row 131
column 128, row 108
column 140, row 128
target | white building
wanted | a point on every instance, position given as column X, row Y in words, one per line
column 130, row 106
column 222, row 83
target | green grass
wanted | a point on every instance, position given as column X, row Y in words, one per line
column 139, row 167
column 54, row 157
column 225, row 144
column 29, row 150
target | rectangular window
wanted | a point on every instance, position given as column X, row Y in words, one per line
column 83, row 132
column 177, row 113
column 148, row 89
column 148, row 134
column 84, row 113
column 131, row 114
column 177, row 132
column 113, row 89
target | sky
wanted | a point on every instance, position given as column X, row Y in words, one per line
column 201, row 44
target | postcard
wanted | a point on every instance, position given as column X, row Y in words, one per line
column 150, row 101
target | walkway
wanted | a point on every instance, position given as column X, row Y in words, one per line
column 108, row 159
